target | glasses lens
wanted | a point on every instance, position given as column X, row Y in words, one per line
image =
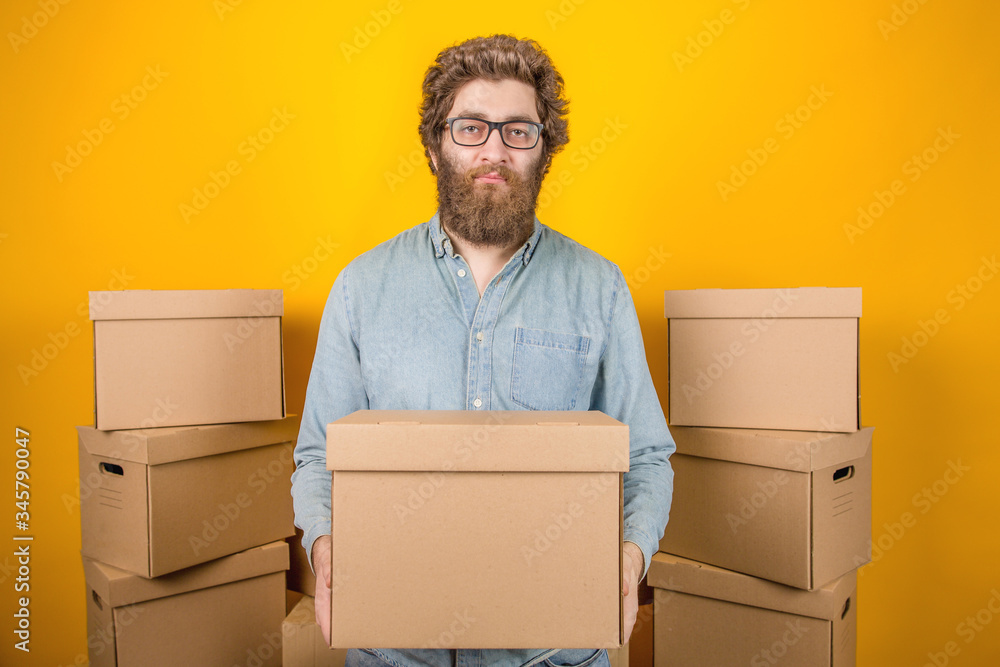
column 469, row 132
column 520, row 135
column 472, row 132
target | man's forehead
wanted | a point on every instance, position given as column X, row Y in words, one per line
column 496, row 100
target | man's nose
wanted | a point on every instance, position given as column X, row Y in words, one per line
column 494, row 150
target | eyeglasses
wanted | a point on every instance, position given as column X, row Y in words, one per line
column 519, row 134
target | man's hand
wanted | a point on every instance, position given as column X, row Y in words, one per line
column 321, row 565
column 632, row 567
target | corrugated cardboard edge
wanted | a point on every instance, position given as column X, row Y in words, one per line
column 369, row 440
column 621, row 559
column 799, row 451
column 155, row 446
column 763, row 303
column 185, row 304
column 673, row 573
column 117, row 587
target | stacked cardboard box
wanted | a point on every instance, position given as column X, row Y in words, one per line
column 772, row 479
column 185, row 480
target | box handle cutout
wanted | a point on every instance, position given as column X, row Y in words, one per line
column 843, row 474
column 847, row 606
column 111, row 468
column 97, row 600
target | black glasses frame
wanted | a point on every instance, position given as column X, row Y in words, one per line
column 494, row 126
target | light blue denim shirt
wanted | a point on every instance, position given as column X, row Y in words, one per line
column 404, row 328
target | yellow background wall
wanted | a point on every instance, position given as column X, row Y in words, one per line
column 668, row 100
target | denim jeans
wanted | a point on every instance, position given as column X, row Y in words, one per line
column 566, row 657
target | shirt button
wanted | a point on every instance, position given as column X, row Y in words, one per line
column 461, row 273
column 478, row 403
column 479, row 335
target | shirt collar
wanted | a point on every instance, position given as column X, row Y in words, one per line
column 442, row 244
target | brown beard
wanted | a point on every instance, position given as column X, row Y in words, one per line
column 488, row 214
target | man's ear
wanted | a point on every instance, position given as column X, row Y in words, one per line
column 434, row 162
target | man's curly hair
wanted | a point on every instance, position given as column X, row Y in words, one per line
column 494, row 58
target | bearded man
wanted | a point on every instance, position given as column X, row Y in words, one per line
column 484, row 308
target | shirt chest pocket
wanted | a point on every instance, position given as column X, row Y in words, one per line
column 547, row 369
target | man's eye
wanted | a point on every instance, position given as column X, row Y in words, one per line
column 469, row 129
column 516, row 132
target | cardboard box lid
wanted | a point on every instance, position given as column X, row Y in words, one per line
column 154, row 446
column 478, row 440
column 763, row 303
column 670, row 572
column 185, row 304
column 118, row 587
column 799, row 451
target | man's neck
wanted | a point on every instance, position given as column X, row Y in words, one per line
column 484, row 261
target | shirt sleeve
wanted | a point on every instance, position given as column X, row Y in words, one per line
column 336, row 388
column 624, row 390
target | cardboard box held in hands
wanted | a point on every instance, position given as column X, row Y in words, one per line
column 476, row 529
